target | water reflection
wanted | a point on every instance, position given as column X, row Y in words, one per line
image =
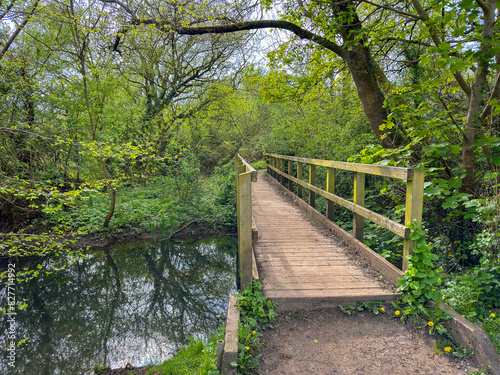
column 132, row 303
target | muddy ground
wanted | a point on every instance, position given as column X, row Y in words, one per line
column 329, row 341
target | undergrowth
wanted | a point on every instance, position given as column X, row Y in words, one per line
column 257, row 313
column 208, row 200
column 195, row 358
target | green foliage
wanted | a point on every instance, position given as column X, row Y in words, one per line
column 420, row 281
column 449, row 347
column 485, row 370
column 98, row 368
column 195, row 358
column 257, row 313
column 374, row 307
column 474, row 294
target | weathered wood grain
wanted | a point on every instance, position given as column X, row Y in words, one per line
column 300, row 266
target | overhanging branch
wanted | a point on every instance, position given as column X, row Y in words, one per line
column 245, row 26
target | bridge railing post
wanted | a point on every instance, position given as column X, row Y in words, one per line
column 312, row 181
column 290, row 172
column 330, row 187
column 414, row 207
column 245, row 174
column 359, row 198
column 299, row 177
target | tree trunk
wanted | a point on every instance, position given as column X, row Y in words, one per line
column 473, row 124
column 359, row 61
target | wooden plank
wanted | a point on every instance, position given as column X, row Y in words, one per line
column 230, row 354
column 384, row 222
column 378, row 170
column 319, row 286
column 299, row 261
column 249, row 168
column 376, row 262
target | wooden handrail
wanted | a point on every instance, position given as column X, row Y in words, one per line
column 414, row 192
column 245, row 175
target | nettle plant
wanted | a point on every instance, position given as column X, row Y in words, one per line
column 420, row 284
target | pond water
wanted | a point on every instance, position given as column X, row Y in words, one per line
column 135, row 303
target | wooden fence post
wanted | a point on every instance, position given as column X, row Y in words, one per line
column 245, row 230
column 359, row 198
column 414, row 207
column 299, row 177
column 312, row 181
column 330, row 187
column 282, row 169
column 290, row 172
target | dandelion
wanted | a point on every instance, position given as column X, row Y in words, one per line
column 254, row 332
column 493, row 315
column 218, row 316
column 247, row 348
column 463, row 316
column 397, row 312
column 315, row 340
column 430, row 324
column 382, row 309
column 447, row 349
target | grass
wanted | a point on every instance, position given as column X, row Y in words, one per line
column 195, row 358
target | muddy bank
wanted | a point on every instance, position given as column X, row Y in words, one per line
column 192, row 228
column 120, row 235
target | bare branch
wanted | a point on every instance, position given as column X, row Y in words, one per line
column 18, row 30
column 408, row 41
column 245, row 26
column 10, row 130
column 395, row 10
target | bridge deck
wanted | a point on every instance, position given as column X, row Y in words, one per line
column 300, row 266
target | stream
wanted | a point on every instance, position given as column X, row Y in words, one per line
column 132, row 303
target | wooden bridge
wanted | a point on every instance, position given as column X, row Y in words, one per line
column 303, row 259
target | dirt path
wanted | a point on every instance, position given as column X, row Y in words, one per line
column 331, row 342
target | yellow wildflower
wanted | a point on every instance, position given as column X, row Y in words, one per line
column 247, row 347
column 430, row 324
column 463, row 316
column 447, row 349
column 397, row 312
column 382, row 309
column 218, row 316
column 315, row 340
column 254, row 332
column 493, row 315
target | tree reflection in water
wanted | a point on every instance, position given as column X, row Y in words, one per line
column 132, row 303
